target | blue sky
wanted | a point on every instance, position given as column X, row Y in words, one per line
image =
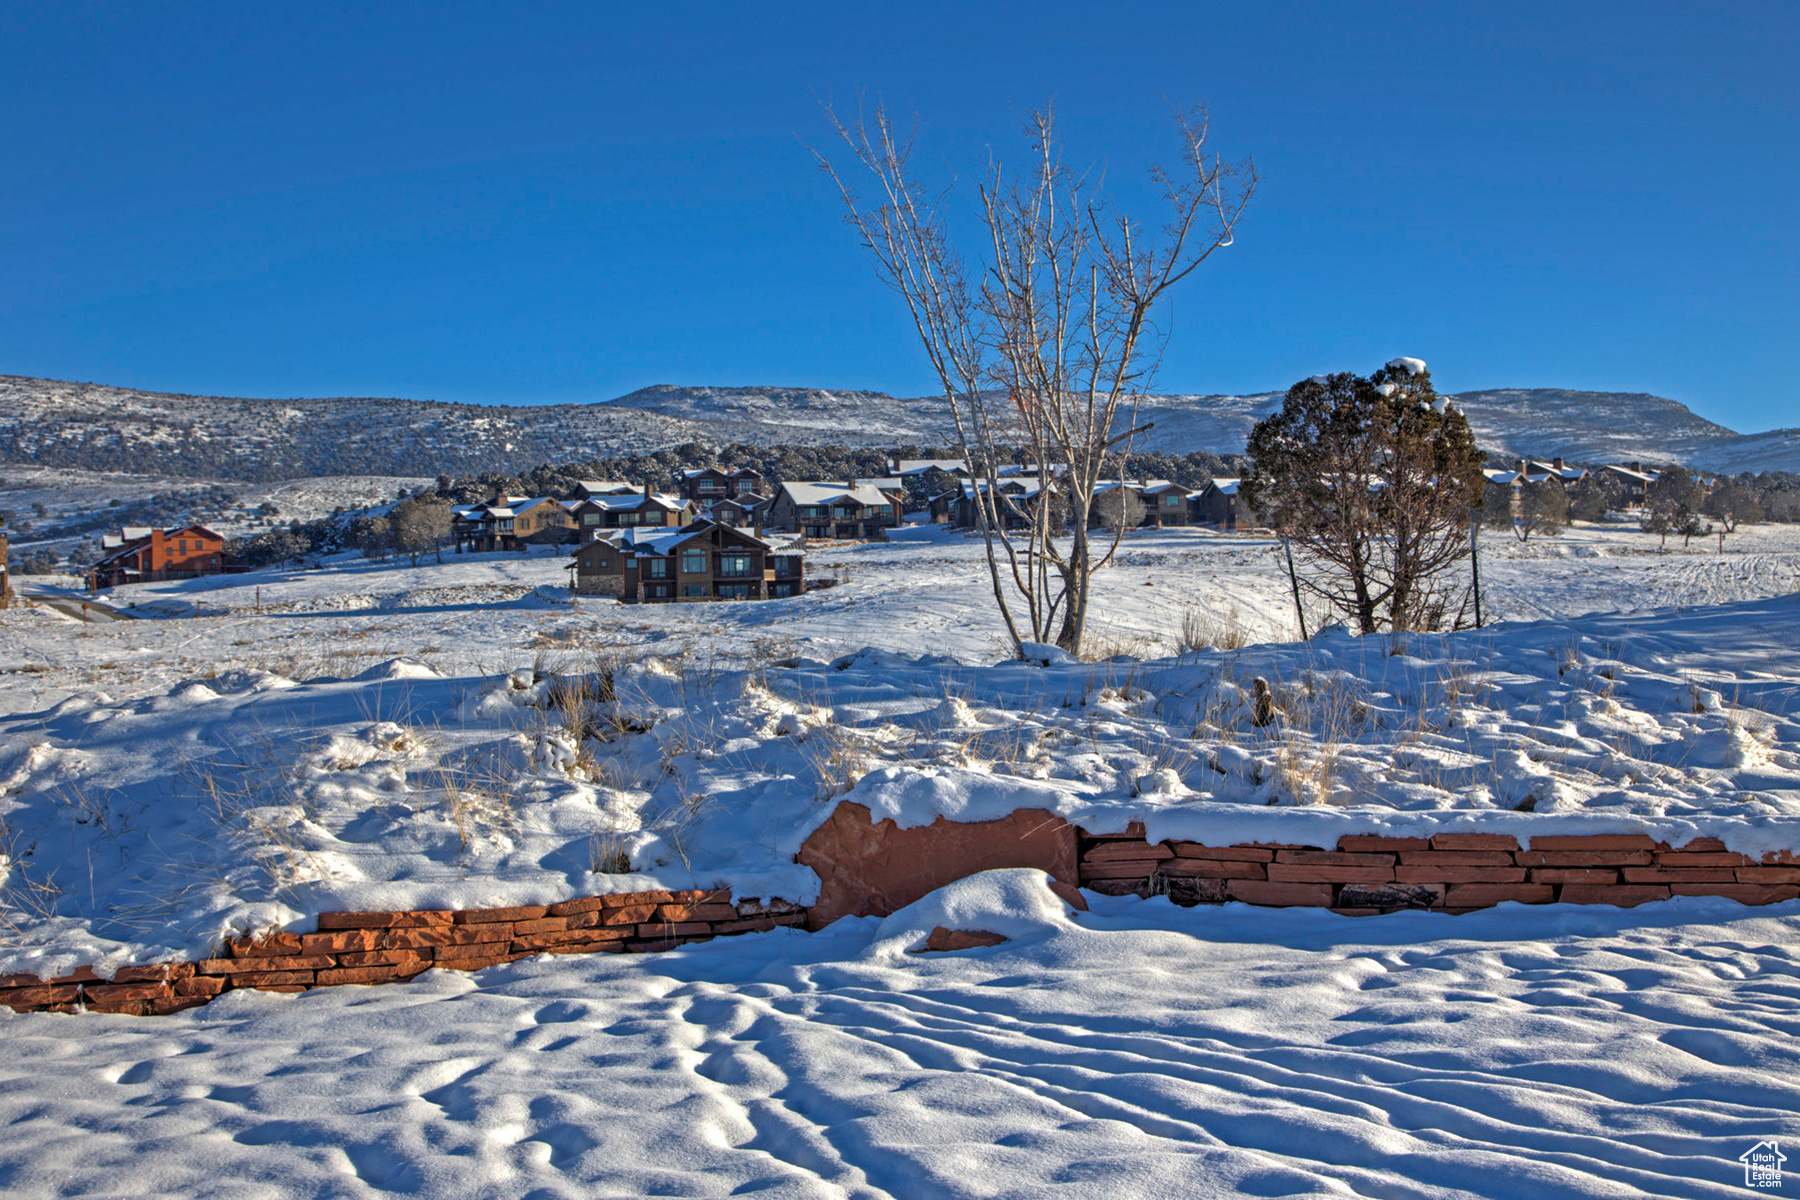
column 534, row 203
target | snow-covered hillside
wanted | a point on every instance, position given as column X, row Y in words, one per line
column 51, row 423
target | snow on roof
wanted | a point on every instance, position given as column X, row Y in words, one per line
column 825, row 493
column 1412, row 366
column 600, row 487
column 661, row 540
column 1017, row 485
column 919, row 466
column 635, row 500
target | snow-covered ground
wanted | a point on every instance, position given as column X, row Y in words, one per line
column 264, row 747
column 377, row 736
column 1137, row 1050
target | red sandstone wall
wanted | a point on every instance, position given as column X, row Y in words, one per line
column 1449, row 872
column 380, row 947
column 869, row 868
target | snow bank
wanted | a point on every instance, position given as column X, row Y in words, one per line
column 1140, row 1049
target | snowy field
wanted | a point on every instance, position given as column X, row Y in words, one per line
column 256, row 749
column 1138, row 1050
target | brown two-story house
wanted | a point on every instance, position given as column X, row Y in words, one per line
column 701, row 561
column 834, row 510
column 703, row 486
column 645, row 508
column 140, row 555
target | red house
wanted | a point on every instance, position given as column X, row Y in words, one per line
column 140, row 555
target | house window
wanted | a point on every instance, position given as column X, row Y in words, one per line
column 657, row 568
column 659, row 592
column 811, row 510
column 693, row 562
column 693, row 589
column 781, row 590
column 1171, row 500
column 590, row 518
column 745, row 487
column 628, row 518
column 734, row 591
column 734, row 564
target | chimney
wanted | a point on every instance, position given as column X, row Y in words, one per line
column 646, row 491
column 1558, row 463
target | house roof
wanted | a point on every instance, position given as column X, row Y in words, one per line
column 1021, row 487
column 1224, row 485
column 605, row 487
column 663, row 540
column 919, row 466
column 635, row 500
column 866, row 494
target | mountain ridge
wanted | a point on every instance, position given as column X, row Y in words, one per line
column 48, row 422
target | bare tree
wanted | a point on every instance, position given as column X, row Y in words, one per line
column 1543, row 507
column 420, row 525
column 1120, row 508
column 1045, row 347
column 1376, row 481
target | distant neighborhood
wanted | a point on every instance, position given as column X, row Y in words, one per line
column 736, row 532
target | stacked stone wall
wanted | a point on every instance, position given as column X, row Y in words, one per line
column 386, row 947
column 1447, row 872
column 873, row 868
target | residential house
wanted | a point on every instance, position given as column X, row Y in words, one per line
column 1557, row 469
column 834, row 510
column 1166, row 503
column 510, row 523
column 908, row 467
column 544, row 520
column 1016, row 497
column 1217, row 505
column 704, row 486
column 137, row 554
column 645, row 508
column 703, row 560
column 585, row 488
column 741, row 512
column 1142, row 489
column 1635, row 480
